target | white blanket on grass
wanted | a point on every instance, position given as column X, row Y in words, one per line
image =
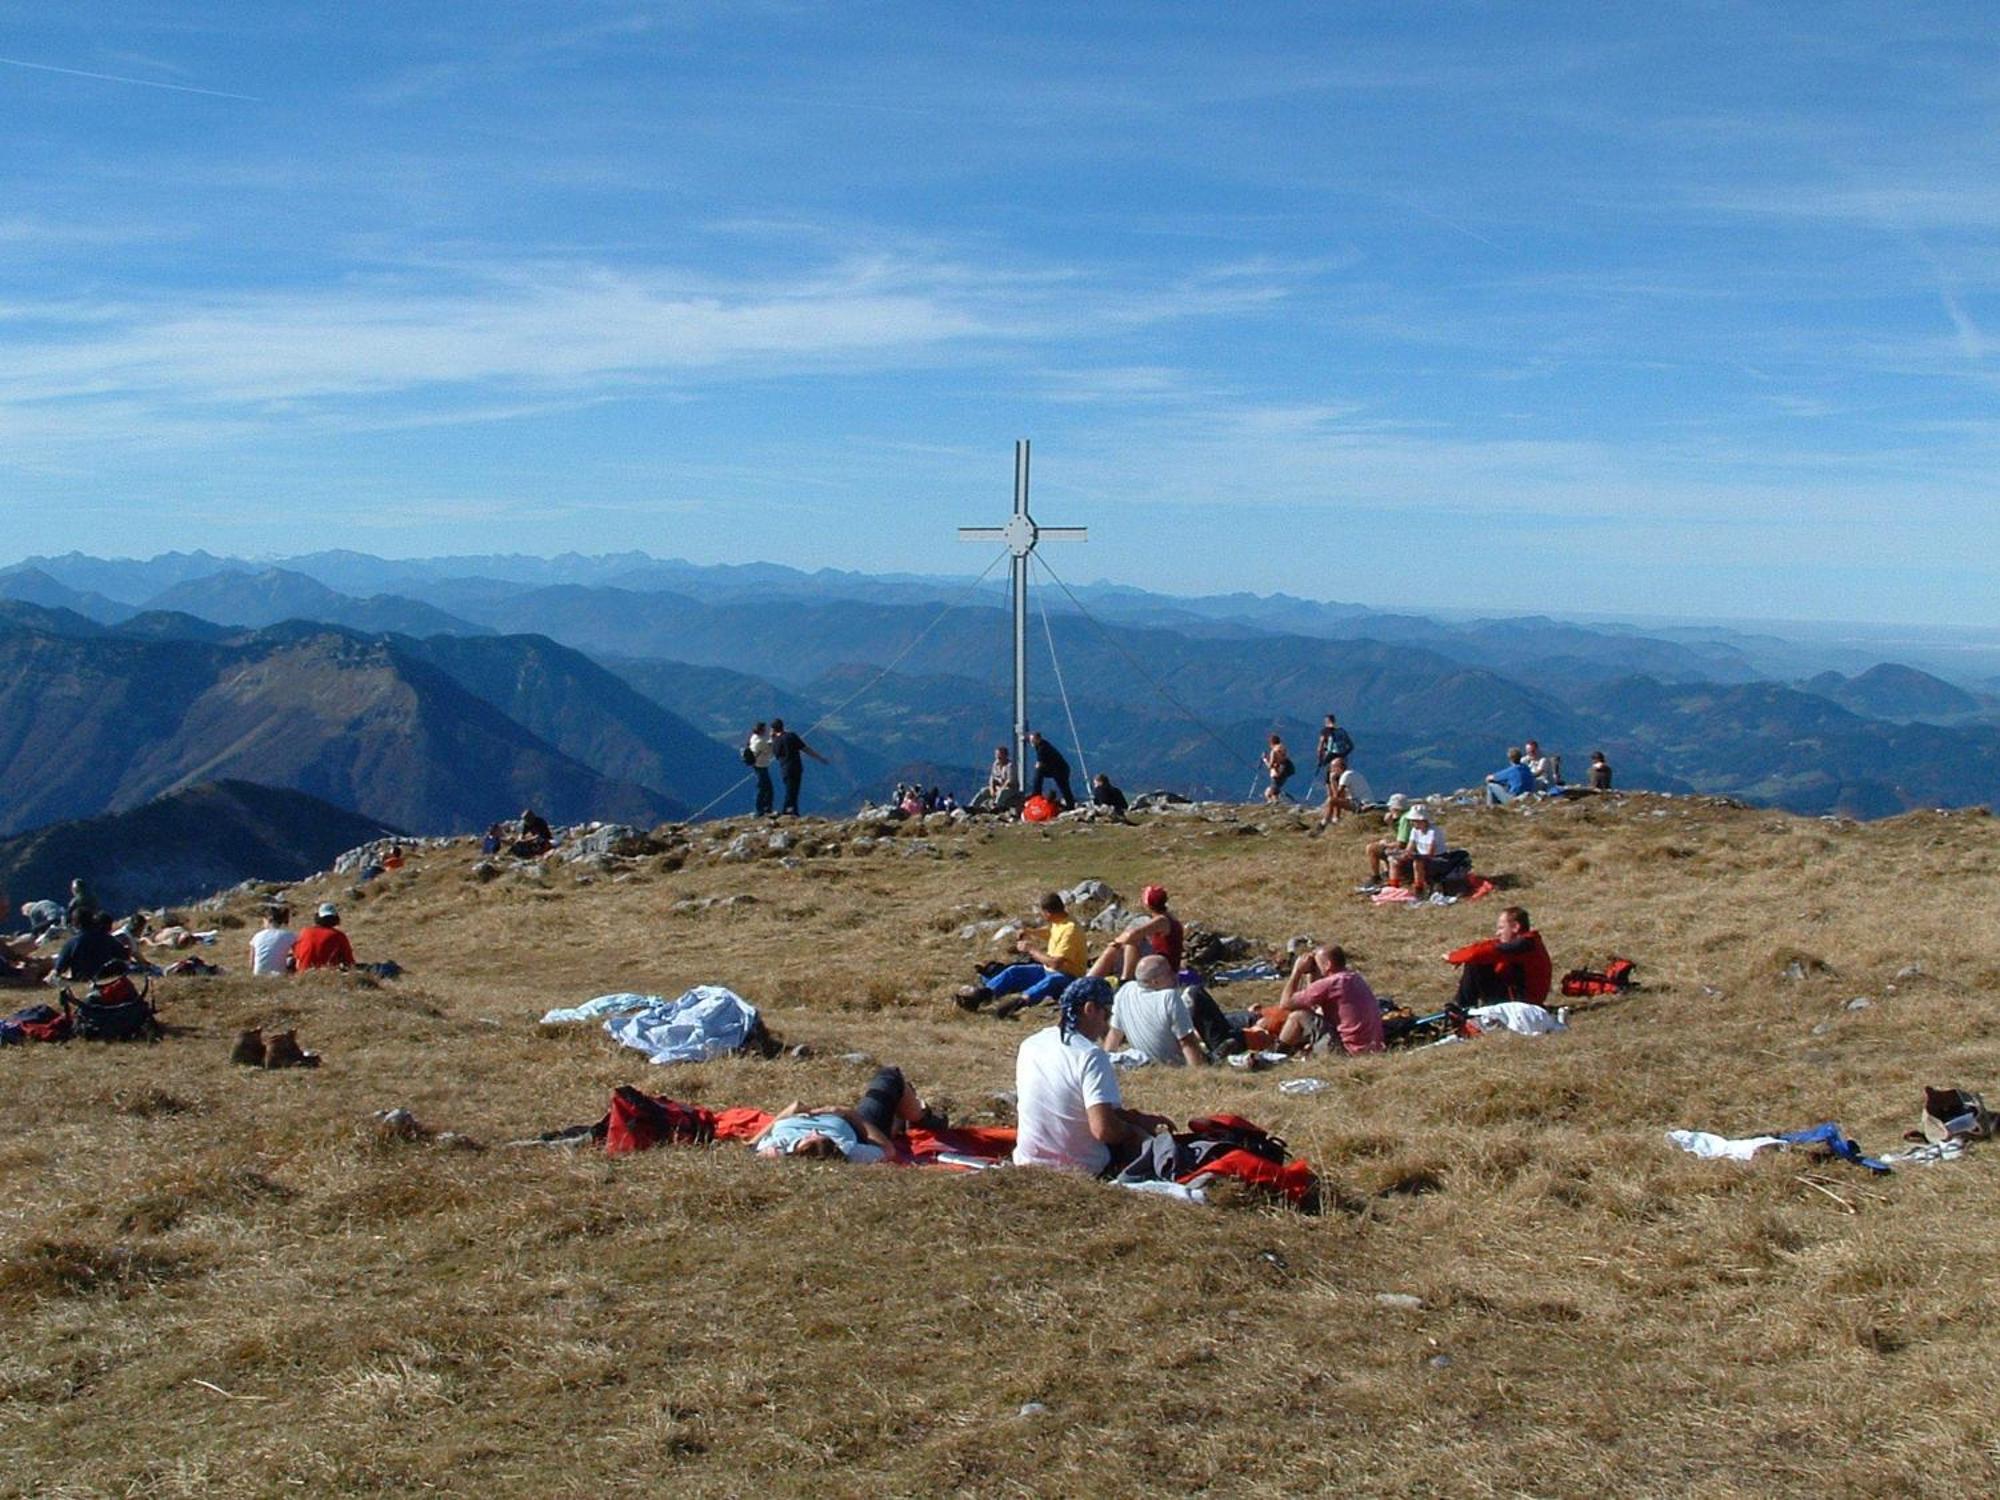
column 708, row 1021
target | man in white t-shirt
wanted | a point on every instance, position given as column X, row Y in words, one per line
column 271, row 944
column 1149, row 1014
column 1068, row 1110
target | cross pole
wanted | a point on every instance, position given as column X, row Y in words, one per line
column 1021, row 534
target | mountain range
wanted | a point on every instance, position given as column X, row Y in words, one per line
column 446, row 692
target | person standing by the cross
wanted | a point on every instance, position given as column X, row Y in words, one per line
column 1050, row 766
column 787, row 747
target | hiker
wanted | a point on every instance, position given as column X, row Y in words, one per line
column 759, row 750
column 81, row 904
column 1333, row 740
column 536, row 838
column 1382, row 853
column 1546, row 769
column 495, row 840
column 42, row 917
column 887, row 1109
column 323, row 945
column 1044, row 971
column 1600, row 773
column 1159, row 931
column 271, row 945
column 92, row 947
column 1278, row 762
column 1327, row 1004
column 393, row 860
column 1050, row 766
column 1341, row 796
column 1104, row 794
column 787, row 746
column 1513, row 964
column 1068, row 1111
column 1512, row 781
column 1149, row 1015
column 1425, row 857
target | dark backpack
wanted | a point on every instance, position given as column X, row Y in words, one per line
column 749, row 756
column 113, row 1009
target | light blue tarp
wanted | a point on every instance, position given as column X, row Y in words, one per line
column 708, row 1021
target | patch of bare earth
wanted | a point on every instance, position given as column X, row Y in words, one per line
column 217, row 1281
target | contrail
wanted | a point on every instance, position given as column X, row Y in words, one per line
column 144, row 83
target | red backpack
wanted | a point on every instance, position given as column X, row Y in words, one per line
column 638, row 1122
column 1615, row 978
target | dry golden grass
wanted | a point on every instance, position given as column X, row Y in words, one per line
column 216, row 1281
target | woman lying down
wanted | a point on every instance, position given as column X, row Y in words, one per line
column 887, row 1109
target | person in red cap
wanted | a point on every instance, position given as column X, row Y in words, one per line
column 1159, row 931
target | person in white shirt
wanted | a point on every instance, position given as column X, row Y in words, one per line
column 1343, row 791
column 271, row 945
column 1149, row 1014
column 1548, row 769
column 1423, row 856
column 758, row 753
column 1069, row 1113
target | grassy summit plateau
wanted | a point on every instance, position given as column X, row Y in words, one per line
column 217, row 1281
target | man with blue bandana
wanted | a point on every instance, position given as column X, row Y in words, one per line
column 1068, row 1109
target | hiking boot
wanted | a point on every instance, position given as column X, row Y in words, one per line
column 249, row 1048
column 1011, row 1007
column 282, row 1051
column 970, row 996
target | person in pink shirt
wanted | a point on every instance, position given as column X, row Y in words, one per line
column 1325, row 1001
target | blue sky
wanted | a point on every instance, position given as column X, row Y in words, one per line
column 1678, row 309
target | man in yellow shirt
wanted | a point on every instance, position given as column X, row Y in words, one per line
column 1043, row 970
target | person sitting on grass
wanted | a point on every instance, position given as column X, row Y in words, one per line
column 1149, row 1015
column 19, row 967
column 1104, row 794
column 1328, row 1006
column 1383, row 853
column 1425, row 857
column 323, row 945
column 888, row 1108
column 1546, row 769
column 1510, row 782
column 1044, row 970
column 271, row 945
column 1159, row 931
column 92, row 949
column 1068, row 1111
column 1513, row 964
column 536, row 839
column 1340, row 791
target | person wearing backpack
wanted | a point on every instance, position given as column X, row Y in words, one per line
column 1333, row 740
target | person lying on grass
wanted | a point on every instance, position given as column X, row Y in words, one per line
column 1513, row 964
column 886, row 1111
column 1068, row 1111
column 1044, row 968
column 1158, row 932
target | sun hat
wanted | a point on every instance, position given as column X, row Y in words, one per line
column 327, row 909
column 1418, row 810
column 1397, row 802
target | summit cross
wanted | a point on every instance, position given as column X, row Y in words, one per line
column 1021, row 533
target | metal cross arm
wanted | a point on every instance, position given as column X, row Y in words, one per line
column 1020, row 535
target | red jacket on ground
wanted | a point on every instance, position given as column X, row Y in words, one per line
column 1523, row 967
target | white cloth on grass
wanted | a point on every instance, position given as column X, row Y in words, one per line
column 1721, row 1148
column 603, row 1005
column 1517, row 1016
column 708, row 1021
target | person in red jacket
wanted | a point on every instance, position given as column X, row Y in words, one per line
column 323, row 945
column 1510, row 965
